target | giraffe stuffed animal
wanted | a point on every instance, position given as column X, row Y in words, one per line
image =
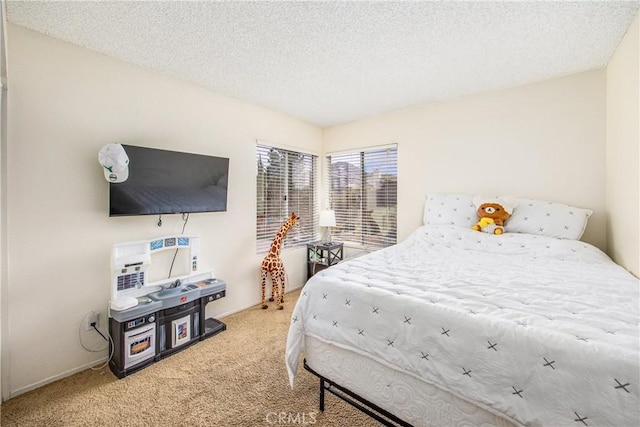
column 272, row 264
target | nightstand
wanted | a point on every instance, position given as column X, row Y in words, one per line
column 323, row 255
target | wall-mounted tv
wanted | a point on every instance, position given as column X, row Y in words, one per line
column 168, row 182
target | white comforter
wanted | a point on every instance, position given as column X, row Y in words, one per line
column 542, row 331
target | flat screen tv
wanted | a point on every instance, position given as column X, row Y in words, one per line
column 168, row 182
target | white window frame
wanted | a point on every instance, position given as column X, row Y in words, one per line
column 365, row 226
column 269, row 219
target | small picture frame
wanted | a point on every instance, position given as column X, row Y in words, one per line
column 181, row 331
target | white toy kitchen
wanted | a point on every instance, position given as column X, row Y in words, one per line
column 152, row 320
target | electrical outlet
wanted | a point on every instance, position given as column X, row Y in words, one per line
column 92, row 318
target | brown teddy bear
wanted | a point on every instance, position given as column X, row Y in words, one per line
column 492, row 215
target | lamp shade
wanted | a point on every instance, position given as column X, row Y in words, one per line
column 327, row 219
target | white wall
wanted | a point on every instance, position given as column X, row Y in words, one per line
column 623, row 151
column 544, row 140
column 65, row 103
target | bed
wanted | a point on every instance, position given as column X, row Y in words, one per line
column 458, row 327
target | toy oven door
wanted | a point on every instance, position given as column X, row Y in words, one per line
column 140, row 345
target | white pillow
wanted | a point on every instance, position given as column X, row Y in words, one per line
column 450, row 209
column 547, row 219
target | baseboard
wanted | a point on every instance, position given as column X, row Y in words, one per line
column 57, row 377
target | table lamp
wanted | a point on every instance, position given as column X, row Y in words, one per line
column 328, row 220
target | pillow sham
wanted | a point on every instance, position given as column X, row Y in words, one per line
column 547, row 219
column 450, row 209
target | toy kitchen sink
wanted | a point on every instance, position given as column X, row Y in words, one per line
column 148, row 322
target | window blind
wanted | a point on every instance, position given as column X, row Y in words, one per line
column 362, row 190
column 286, row 182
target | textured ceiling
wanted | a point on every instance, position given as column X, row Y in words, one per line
column 334, row 62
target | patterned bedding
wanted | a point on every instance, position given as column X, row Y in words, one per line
column 542, row 331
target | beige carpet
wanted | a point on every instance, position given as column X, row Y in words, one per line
column 235, row 378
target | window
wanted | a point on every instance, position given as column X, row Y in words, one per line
column 362, row 189
column 286, row 182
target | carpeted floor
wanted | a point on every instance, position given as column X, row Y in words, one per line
column 235, row 378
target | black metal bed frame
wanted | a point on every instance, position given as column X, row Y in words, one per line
column 358, row 402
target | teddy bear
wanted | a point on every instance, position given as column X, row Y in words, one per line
column 492, row 214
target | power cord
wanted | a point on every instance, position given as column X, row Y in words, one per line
column 314, row 260
column 93, row 325
column 317, row 259
column 185, row 218
column 94, row 368
column 96, row 350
